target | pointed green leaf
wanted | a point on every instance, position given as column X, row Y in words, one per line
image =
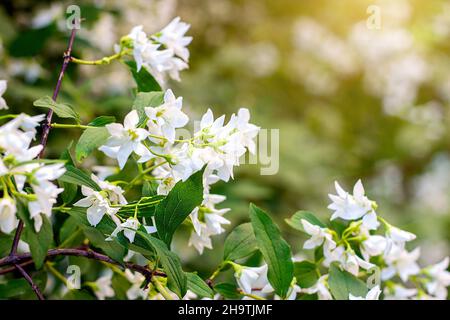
column 62, row 110
column 275, row 250
column 144, row 80
column 147, row 99
column 198, row 286
column 177, row 280
column 90, row 139
column 176, row 207
column 342, row 283
column 240, row 243
column 102, row 121
column 306, row 273
column 78, row 177
column 296, row 220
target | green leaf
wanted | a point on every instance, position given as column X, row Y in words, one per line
column 275, row 250
column 39, row 242
column 342, row 283
column 179, row 203
column 240, row 243
column 228, row 290
column 176, row 278
column 78, row 177
column 68, row 230
column 96, row 235
column 6, row 241
column 62, row 110
column 13, row 288
column 306, row 273
column 90, row 139
column 147, row 99
column 144, row 80
column 296, row 220
column 198, row 286
column 102, row 121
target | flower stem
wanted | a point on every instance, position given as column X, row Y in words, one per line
column 56, row 273
column 102, row 61
column 63, row 125
column 161, row 289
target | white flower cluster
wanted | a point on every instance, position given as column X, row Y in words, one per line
column 23, row 177
column 215, row 146
column 162, row 54
column 389, row 248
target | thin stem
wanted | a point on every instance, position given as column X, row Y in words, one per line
column 68, row 126
column 253, row 296
column 27, row 277
column 70, row 238
column 8, row 116
column 102, row 61
column 143, row 173
column 46, row 126
column 161, row 289
column 56, row 273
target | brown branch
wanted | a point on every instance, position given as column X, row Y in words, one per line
column 23, row 259
column 45, row 131
column 30, row 281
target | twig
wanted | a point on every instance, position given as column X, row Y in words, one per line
column 87, row 253
column 30, row 281
column 45, row 131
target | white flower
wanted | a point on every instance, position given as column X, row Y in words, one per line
column 245, row 131
column 373, row 294
column 47, row 194
column 102, row 286
column 97, row 203
column 200, row 240
column 321, row 288
column 135, row 291
column 3, row 86
column 211, row 223
column 129, row 228
column 172, row 36
column 331, row 255
column 125, row 139
column 401, row 262
column 440, row 279
column 114, row 193
column 140, row 41
column 397, row 237
column 15, row 142
column 351, row 263
column 8, row 219
column 318, row 235
column 398, row 292
column 158, row 61
column 250, row 278
column 373, row 246
column 28, row 123
column 167, row 117
column 352, row 207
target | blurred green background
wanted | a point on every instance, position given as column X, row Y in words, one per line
column 351, row 101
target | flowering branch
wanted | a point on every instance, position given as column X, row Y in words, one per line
column 46, row 130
